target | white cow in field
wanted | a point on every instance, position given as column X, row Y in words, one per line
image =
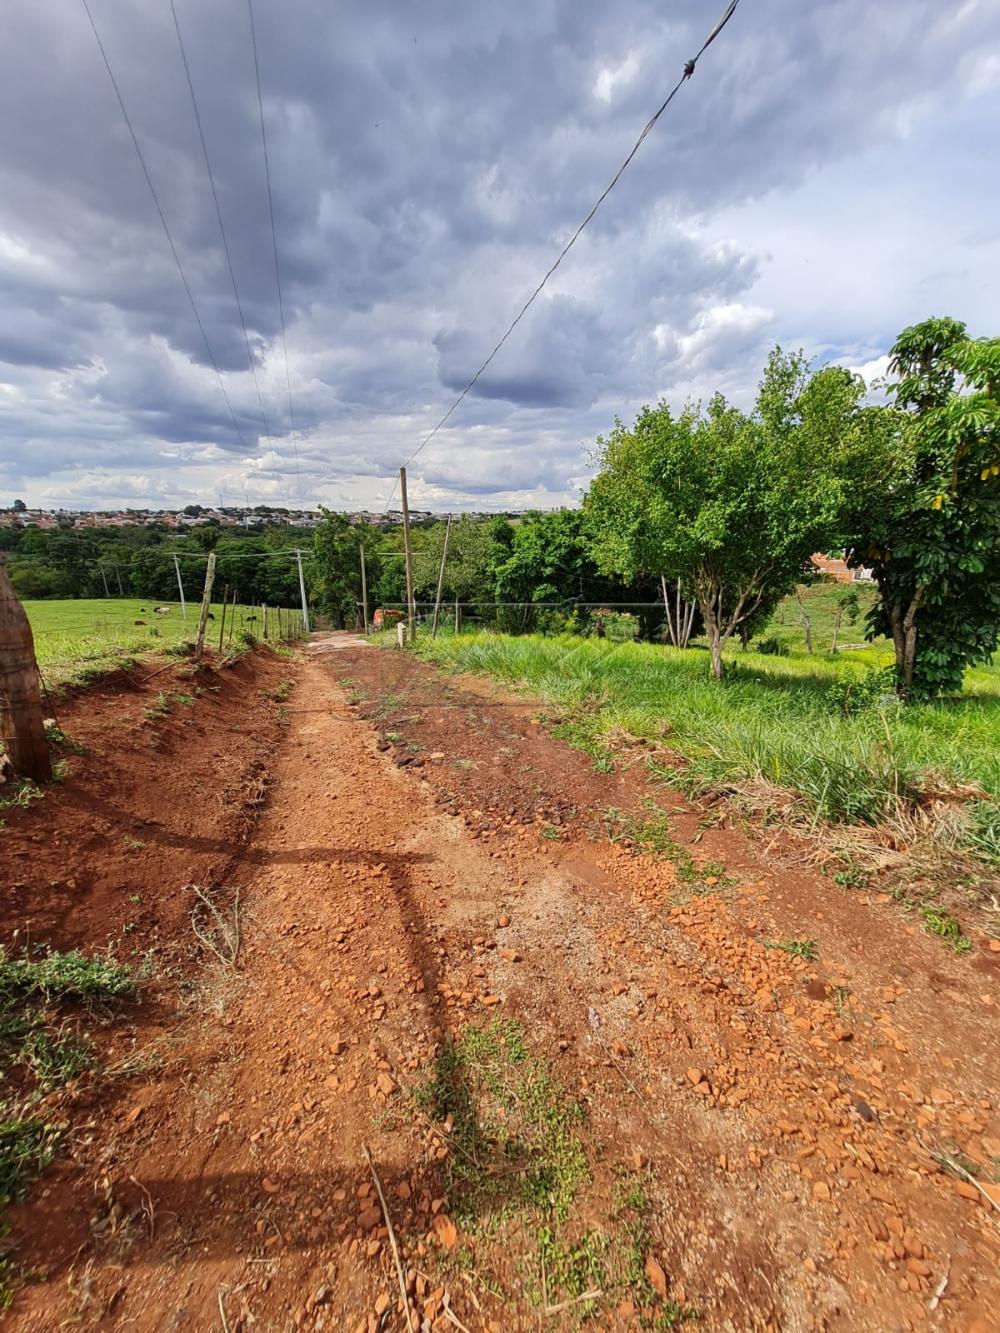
column 161, row 610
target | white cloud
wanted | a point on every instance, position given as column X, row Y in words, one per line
column 609, row 77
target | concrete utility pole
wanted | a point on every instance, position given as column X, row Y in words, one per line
column 411, row 606
column 180, row 588
column 104, row 580
column 302, row 591
column 206, row 604
column 22, row 721
column 364, row 586
column 437, row 600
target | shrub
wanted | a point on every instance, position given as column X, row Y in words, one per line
column 772, row 646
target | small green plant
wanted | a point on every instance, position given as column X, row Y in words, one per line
column 550, row 831
column 55, row 735
column 852, row 876
column 27, row 1145
column 805, row 949
column 185, row 700
column 19, row 795
column 158, row 709
column 946, row 927
column 772, row 646
column 874, row 690
column 279, row 693
column 132, row 844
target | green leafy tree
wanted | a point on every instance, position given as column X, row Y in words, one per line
column 932, row 539
column 731, row 505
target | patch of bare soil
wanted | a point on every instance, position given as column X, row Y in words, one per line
column 563, row 1078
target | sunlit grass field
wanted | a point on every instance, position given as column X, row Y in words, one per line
column 78, row 639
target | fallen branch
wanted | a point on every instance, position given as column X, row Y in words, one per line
column 577, row 1300
column 400, row 1273
column 230, row 936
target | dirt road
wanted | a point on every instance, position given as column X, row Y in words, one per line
column 593, row 1082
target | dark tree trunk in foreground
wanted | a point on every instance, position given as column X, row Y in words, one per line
column 21, row 717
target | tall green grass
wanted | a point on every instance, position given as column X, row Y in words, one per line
column 771, row 720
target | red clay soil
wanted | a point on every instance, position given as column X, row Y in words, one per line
column 429, row 857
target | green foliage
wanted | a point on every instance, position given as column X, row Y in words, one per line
column 71, row 975
column 946, row 927
column 732, row 505
column 514, row 1130
column 808, row 950
column 615, row 626
column 27, row 1145
column 773, row 722
column 932, row 535
column 772, row 646
column 857, row 694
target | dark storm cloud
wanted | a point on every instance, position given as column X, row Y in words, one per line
column 427, row 163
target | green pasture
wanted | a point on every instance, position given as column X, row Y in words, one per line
column 80, row 638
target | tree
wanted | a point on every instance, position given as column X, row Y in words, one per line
column 20, row 507
column 932, row 540
column 731, row 505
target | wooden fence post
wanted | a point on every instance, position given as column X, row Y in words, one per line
column 411, row 607
column 22, row 728
column 206, row 603
column 440, row 587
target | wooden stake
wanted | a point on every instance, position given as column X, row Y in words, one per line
column 222, row 627
column 437, row 600
column 458, row 617
column 22, row 728
column 206, row 602
column 264, row 612
column 411, row 606
column 180, row 588
column 364, row 586
column 232, row 619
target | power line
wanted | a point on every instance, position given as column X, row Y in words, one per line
column 689, row 69
column 162, row 217
column 218, row 214
column 274, row 243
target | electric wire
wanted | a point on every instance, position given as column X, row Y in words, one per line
column 274, row 243
column 162, row 217
column 218, row 214
column 689, row 69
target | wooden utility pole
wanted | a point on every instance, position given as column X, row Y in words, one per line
column 437, row 600
column 302, row 593
column 22, row 722
column 411, row 606
column 206, row 603
column 364, row 586
column 180, row 589
column 104, row 580
column 118, row 576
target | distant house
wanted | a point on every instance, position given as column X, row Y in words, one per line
column 835, row 568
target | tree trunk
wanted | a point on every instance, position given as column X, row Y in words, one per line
column 904, row 639
column 22, row 729
column 836, row 630
column 714, row 632
column 666, row 607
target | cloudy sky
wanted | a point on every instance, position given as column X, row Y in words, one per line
column 828, row 176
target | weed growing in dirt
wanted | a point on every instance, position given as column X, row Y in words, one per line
column 550, row 831
column 55, row 735
column 514, row 1130
column 19, row 795
column 72, row 976
column 654, row 837
column 947, row 927
column 27, row 1145
column 516, row 1167
column 852, row 876
column 279, row 693
column 158, row 709
column 805, row 949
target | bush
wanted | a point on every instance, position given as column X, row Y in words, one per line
column 616, row 626
column 876, row 689
column 772, row 646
